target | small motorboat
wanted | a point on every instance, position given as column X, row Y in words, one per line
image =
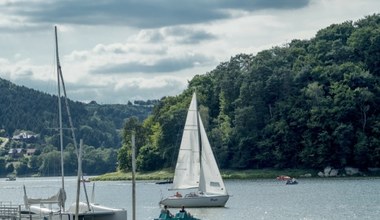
column 10, row 178
column 168, row 181
column 283, row 178
column 181, row 215
column 291, row 181
column 85, row 180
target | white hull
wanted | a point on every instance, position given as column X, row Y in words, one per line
column 196, row 201
column 97, row 213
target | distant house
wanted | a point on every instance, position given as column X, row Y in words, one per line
column 16, row 152
column 30, row 152
column 23, row 136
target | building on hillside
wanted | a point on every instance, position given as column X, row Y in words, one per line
column 30, row 152
column 16, row 152
column 25, row 137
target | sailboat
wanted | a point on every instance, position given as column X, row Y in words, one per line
column 196, row 167
column 43, row 208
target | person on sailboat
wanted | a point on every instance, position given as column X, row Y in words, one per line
column 177, row 194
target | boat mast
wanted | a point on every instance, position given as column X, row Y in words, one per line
column 199, row 138
column 62, row 82
column 60, row 111
column 78, row 179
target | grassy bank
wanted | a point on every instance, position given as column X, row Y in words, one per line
column 265, row 173
column 155, row 175
column 227, row 174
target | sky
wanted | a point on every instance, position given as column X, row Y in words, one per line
column 115, row 51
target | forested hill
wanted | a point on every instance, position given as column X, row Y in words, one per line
column 24, row 109
column 308, row 104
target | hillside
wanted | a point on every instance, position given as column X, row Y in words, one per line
column 98, row 125
column 308, row 104
column 29, row 112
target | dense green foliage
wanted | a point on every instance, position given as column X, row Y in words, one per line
column 309, row 104
column 98, row 125
column 34, row 112
column 47, row 162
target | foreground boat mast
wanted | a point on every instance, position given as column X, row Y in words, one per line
column 60, row 111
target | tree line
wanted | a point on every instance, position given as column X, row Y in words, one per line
column 98, row 125
column 307, row 104
column 46, row 160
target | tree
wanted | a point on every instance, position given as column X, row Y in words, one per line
column 10, row 168
column 124, row 156
column 3, row 170
column 51, row 163
column 22, row 168
column 34, row 164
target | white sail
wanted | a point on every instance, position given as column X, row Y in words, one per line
column 58, row 199
column 211, row 181
column 187, row 170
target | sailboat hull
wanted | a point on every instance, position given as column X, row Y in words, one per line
column 97, row 212
column 196, row 201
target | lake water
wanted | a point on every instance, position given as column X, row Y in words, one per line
column 350, row 198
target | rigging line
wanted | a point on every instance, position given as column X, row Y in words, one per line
column 68, row 112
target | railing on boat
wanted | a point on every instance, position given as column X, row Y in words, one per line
column 14, row 212
column 9, row 211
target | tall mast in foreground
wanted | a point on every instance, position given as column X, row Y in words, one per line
column 60, row 111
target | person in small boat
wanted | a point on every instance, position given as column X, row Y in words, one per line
column 177, row 194
column 182, row 209
column 165, row 210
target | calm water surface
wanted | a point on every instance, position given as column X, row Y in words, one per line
column 251, row 199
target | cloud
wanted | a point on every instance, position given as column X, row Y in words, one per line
column 158, row 51
column 169, row 64
column 101, row 88
column 124, row 90
column 136, row 13
column 185, row 35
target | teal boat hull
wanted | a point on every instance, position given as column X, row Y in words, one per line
column 178, row 216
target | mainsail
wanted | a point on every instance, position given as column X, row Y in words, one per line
column 187, row 170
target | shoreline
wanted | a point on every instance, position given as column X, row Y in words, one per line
column 228, row 174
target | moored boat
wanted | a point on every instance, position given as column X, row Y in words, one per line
column 10, row 178
column 291, row 181
column 168, row 181
column 53, row 208
column 283, row 178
